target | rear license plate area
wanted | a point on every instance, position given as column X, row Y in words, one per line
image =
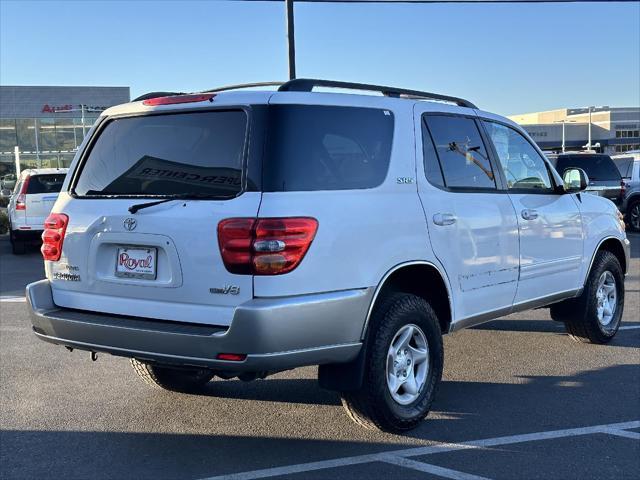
column 136, row 262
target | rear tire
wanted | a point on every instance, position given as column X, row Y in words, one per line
column 184, row 380
column 633, row 216
column 594, row 317
column 18, row 247
column 377, row 404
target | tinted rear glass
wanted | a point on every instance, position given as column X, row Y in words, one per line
column 45, row 183
column 326, row 148
column 598, row 167
column 171, row 154
column 625, row 166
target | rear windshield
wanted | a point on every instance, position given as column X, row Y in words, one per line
column 45, row 183
column 311, row 147
column 598, row 167
column 198, row 153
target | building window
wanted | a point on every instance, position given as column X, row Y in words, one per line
column 627, row 133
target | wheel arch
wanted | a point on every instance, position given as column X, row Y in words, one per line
column 613, row 245
column 422, row 278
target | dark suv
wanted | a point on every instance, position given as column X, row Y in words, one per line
column 604, row 177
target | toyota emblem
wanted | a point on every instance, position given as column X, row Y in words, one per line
column 130, row 223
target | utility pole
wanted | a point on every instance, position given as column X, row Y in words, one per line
column 291, row 40
column 564, row 122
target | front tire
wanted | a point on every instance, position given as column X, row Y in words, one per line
column 403, row 366
column 183, row 380
column 594, row 317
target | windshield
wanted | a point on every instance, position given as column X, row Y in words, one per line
column 598, row 167
column 198, row 153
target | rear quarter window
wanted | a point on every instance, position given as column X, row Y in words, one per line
column 313, row 147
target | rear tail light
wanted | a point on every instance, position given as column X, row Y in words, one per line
column 21, row 199
column 174, row 99
column 55, row 227
column 265, row 246
column 623, row 188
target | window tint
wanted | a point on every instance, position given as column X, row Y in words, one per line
column 523, row 166
column 171, row 154
column 598, row 167
column 625, row 166
column 431, row 165
column 326, row 148
column 462, row 155
column 45, row 183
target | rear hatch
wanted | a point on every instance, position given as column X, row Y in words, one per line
column 604, row 177
column 42, row 193
column 187, row 170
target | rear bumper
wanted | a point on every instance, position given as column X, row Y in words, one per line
column 275, row 334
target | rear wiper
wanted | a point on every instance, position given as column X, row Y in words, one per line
column 168, row 198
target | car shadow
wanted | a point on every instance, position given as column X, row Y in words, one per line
column 463, row 411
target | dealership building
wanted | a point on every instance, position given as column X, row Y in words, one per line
column 43, row 126
column 613, row 129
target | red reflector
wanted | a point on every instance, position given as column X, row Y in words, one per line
column 55, row 227
column 172, row 100
column 231, row 357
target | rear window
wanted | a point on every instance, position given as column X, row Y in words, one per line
column 170, row 154
column 625, row 166
column 326, row 148
column 45, row 183
column 598, row 167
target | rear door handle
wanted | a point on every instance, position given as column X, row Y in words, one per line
column 529, row 214
column 443, row 219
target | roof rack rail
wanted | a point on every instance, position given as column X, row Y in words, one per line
column 149, row 95
column 307, row 85
column 242, row 85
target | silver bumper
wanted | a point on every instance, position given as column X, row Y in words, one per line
column 275, row 334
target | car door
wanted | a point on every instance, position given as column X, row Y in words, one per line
column 549, row 221
column 472, row 224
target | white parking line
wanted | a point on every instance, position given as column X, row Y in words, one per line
column 432, row 469
column 389, row 457
column 5, row 299
column 622, row 433
column 629, row 327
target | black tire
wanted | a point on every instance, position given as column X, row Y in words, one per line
column 184, row 380
column 372, row 406
column 580, row 315
column 18, row 247
column 633, row 215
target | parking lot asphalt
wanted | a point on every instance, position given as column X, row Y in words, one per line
column 519, row 399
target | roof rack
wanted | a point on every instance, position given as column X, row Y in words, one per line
column 242, row 85
column 308, row 84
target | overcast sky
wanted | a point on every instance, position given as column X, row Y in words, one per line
column 505, row 58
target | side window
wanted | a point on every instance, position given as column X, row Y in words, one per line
column 462, row 155
column 523, row 166
column 431, row 165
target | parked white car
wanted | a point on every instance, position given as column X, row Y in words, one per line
column 34, row 195
column 241, row 233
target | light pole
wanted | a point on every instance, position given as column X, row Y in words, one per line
column 564, row 122
column 589, row 141
column 291, row 40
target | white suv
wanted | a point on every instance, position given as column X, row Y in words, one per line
column 241, row 233
column 34, row 195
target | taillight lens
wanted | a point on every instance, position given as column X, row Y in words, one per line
column 623, row 188
column 55, row 227
column 265, row 246
column 21, row 199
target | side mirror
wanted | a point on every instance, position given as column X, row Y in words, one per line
column 575, row 180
